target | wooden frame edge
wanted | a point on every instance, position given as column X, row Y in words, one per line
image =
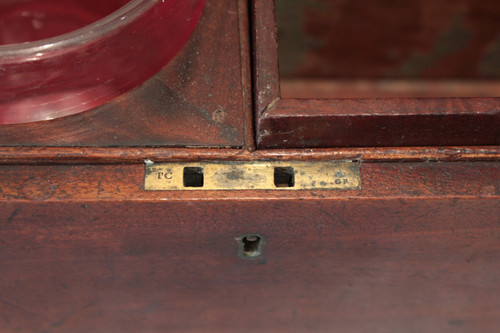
column 277, row 126
column 69, row 155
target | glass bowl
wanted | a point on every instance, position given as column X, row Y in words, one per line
column 61, row 57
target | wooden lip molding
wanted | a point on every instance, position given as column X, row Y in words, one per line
column 323, row 123
column 137, row 155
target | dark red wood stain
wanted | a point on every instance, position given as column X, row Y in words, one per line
column 84, row 248
column 414, row 250
column 380, row 122
column 389, row 39
column 299, row 123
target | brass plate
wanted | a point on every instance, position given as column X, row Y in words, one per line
column 262, row 175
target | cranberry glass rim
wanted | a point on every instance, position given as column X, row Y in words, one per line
column 108, row 24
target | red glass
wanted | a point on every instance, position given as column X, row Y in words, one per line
column 60, row 57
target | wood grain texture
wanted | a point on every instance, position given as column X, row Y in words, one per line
column 61, row 155
column 307, row 123
column 83, row 248
column 325, row 123
column 201, row 98
column 126, row 182
column 389, row 39
column 335, row 88
column 265, row 55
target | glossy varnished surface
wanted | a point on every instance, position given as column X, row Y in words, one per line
column 84, row 248
column 292, row 123
column 298, row 123
column 131, row 155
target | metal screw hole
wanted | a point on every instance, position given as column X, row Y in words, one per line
column 251, row 246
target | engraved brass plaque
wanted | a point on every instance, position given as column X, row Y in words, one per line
column 262, row 175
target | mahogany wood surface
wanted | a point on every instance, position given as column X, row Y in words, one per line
column 201, row 98
column 414, row 39
column 325, row 123
column 362, row 88
column 56, row 155
column 291, row 123
column 84, row 248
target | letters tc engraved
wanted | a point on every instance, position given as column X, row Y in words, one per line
column 165, row 175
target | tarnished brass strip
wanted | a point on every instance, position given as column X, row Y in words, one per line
column 264, row 175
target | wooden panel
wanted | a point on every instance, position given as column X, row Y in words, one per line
column 200, row 99
column 380, row 122
column 313, row 88
column 294, row 123
column 351, row 266
column 84, row 248
column 389, row 39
